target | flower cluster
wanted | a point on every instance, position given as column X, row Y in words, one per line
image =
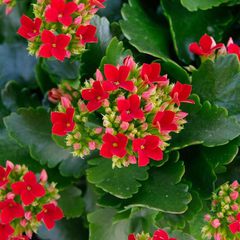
column 25, row 202
column 207, row 48
column 158, row 235
column 60, row 28
column 9, row 4
column 128, row 113
column 223, row 222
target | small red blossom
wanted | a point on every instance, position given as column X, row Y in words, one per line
column 114, row 145
column 150, row 73
column 165, row 121
column 147, row 147
column 98, row 3
column 63, row 122
column 29, row 28
column 53, row 46
column 86, row 34
column 161, row 235
column 59, row 11
column 233, row 48
column 181, row 92
column 49, row 214
column 130, row 108
column 29, row 189
column 95, row 95
column 206, row 47
column 5, row 231
column 131, row 237
column 117, row 78
column 4, row 173
column 10, row 210
column 235, row 226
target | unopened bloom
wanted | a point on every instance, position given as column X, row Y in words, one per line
column 114, row 145
column 147, row 147
column 207, row 46
column 216, row 223
column 62, row 122
column 233, row 48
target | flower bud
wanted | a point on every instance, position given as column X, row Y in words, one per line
column 234, row 195
column 43, row 176
column 216, row 223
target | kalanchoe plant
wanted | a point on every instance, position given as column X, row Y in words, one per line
column 157, row 235
column 60, row 28
column 139, row 110
column 25, row 202
column 223, row 222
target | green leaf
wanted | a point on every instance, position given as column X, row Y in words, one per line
column 71, row 202
column 163, row 190
column 187, row 27
column 91, row 58
column 31, row 128
column 15, row 95
column 143, row 32
column 194, row 5
column 102, row 227
column 219, row 83
column 120, row 182
column 206, row 124
column 115, row 53
column 15, row 63
column 72, row 229
column 208, row 160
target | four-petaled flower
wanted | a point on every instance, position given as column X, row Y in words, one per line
column 117, row 78
column 95, row 96
column 59, row 11
column 49, row 214
column 62, row 122
column 235, row 226
column 5, row 231
column 53, row 45
column 130, row 108
column 206, row 47
column 86, row 34
column 150, row 73
column 29, row 28
column 10, row 210
column 180, row 93
column 114, row 145
column 147, row 147
column 29, row 189
column 165, row 121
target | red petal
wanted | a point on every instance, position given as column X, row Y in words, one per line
column 51, row 15
column 160, row 234
column 194, row 48
column 131, row 237
column 122, row 140
column 123, row 104
column 59, row 129
column 38, row 190
column 137, row 143
column 93, row 105
column 70, row 8
column 152, row 142
column 134, row 102
column 206, row 42
column 155, row 154
column 106, row 151
column 62, row 41
column 7, row 215
column 59, row 53
column 111, row 72
column 27, row 22
column 30, row 178
column 65, row 20
column 143, row 160
column 234, row 227
column 49, row 222
column 58, row 117
column 120, row 152
column 138, row 114
column 123, row 73
column 58, row 214
column 109, row 86
column 126, row 117
column 107, row 137
column 127, row 85
column 27, row 197
column 18, row 187
column 48, row 37
column 88, row 94
column 45, row 51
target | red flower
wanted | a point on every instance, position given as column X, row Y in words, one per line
column 114, row 145
column 117, row 78
column 53, row 45
column 161, row 235
column 29, row 189
column 233, row 48
column 98, row 3
column 150, row 73
column 95, row 95
column 5, row 231
column 130, row 108
column 10, row 210
column 62, row 122
column 49, row 214
column 180, row 93
column 4, row 173
column 235, row 226
column 206, row 47
column 165, row 121
column 131, row 237
column 59, row 11
column 87, row 34
column 147, row 147
column 29, row 28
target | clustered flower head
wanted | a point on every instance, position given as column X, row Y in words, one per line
column 127, row 113
column 207, row 48
column 61, row 28
column 223, row 222
column 25, row 202
column 9, row 4
column 158, row 235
